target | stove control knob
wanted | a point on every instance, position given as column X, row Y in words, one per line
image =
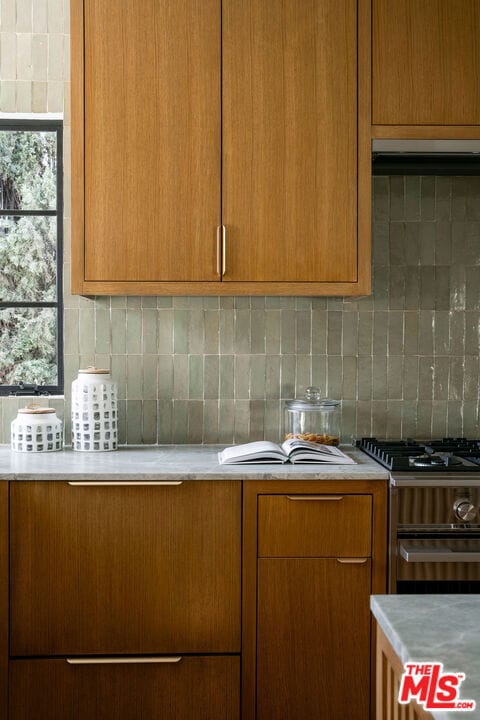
column 464, row 509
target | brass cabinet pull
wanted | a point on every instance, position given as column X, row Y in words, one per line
column 315, row 497
column 224, row 250
column 219, row 250
column 352, row 561
column 114, row 483
column 121, row 660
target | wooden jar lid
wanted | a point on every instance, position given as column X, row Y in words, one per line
column 91, row 370
column 35, row 409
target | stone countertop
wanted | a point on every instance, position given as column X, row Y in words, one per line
column 441, row 628
column 163, row 462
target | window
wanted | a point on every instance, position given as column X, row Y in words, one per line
column 31, row 239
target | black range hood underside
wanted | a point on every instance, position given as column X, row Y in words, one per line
column 404, row 163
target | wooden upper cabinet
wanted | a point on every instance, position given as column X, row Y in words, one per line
column 187, row 116
column 426, row 62
column 151, row 97
column 134, row 569
column 290, row 140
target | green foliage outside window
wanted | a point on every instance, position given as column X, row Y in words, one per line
column 28, row 257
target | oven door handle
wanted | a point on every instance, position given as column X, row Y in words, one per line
column 415, row 554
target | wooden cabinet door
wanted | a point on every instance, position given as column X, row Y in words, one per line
column 134, row 569
column 290, row 140
column 313, row 639
column 200, row 688
column 151, row 139
column 426, row 62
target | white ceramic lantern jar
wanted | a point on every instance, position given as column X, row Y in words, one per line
column 36, row 429
column 94, row 411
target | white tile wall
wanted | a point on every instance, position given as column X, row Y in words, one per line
column 34, row 55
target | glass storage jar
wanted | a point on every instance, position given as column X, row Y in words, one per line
column 313, row 418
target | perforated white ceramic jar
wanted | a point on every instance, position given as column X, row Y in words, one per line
column 94, row 411
column 36, row 429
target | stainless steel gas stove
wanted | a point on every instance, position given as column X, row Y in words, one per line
column 434, row 515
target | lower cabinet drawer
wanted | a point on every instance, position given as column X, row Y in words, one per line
column 125, row 570
column 322, row 525
column 204, row 688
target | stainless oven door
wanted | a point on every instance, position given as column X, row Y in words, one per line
column 438, row 564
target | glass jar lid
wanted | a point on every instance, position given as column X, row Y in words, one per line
column 312, row 402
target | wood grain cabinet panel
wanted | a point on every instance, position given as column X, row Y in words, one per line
column 104, row 570
column 290, row 140
column 4, row 614
column 314, row 525
column 196, row 688
column 187, row 116
column 313, row 639
column 426, row 62
column 389, row 671
column 152, row 139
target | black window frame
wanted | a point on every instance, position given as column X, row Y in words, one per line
column 56, row 126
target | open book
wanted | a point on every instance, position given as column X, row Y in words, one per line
column 294, row 451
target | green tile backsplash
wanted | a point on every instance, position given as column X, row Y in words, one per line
column 404, row 362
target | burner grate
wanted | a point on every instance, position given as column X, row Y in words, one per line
column 446, row 455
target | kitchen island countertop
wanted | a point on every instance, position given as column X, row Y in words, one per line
column 435, row 628
column 178, row 462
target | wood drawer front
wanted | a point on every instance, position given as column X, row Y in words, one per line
column 204, row 688
column 314, row 525
column 134, row 569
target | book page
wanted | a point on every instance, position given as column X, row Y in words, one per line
column 294, row 444
column 306, row 451
column 254, row 450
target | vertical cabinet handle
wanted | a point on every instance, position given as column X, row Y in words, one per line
column 121, row 660
column 224, row 250
column 221, row 250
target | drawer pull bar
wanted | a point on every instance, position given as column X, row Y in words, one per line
column 121, row 660
column 352, row 561
column 315, row 497
column 114, row 483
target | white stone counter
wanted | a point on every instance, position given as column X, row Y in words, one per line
column 180, row 462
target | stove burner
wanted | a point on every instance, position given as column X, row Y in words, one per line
column 428, row 461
